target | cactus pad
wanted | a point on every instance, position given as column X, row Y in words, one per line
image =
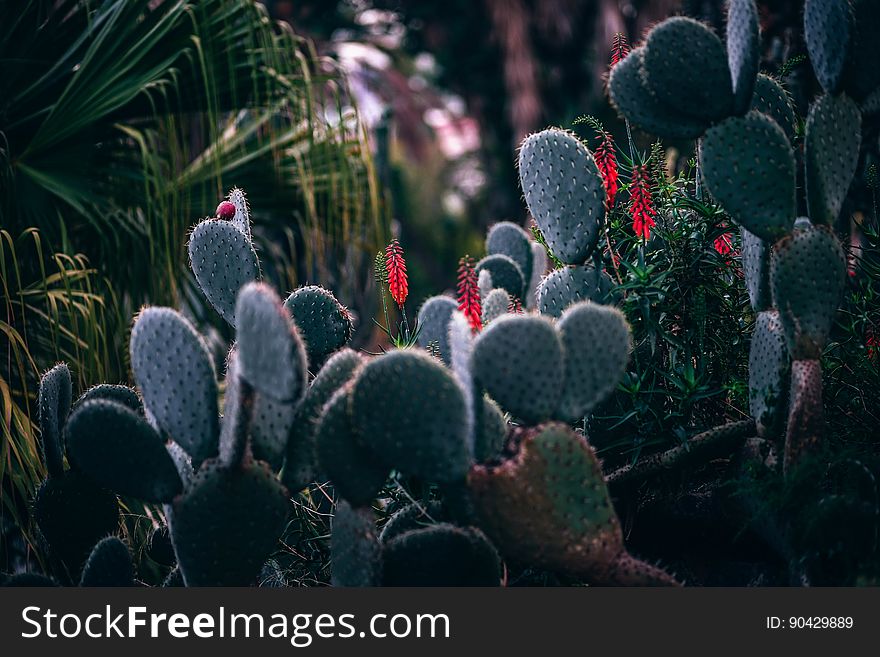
column 223, row 260
column 564, row 192
column 772, row 99
column 756, row 269
column 831, row 153
column 324, row 324
column 806, row 422
column 539, row 268
column 409, row 411
column 495, row 305
column 507, row 238
column 242, row 217
column 518, row 359
column 862, row 74
column 686, row 67
column 596, row 340
column 53, row 405
column 743, row 51
column 563, row 287
column 413, row 516
column 490, row 440
column 120, row 451
column 433, row 322
column 749, row 168
column 109, row 564
column 768, row 374
column 175, row 373
column 227, row 523
column 827, row 30
column 441, row 555
column 354, row 549
column 505, row 273
column 808, row 275
column 117, row 393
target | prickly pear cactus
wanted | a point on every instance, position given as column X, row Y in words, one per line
column 756, row 270
column 356, row 555
column 495, row 305
column 433, row 320
column 117, row 393
column 325, row 324
column 507, row 238
column 53, row 405
column 769, row 367
column 109, row 565
column 743, row 51
column 563, row 287
column 505, row 274
column 827, row 30
column 771, row 99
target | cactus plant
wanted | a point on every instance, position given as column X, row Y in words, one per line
column 325, row 324
column 109, row 565
column 506, row 238
column 563, row 287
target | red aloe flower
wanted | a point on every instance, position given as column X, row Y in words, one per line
column 606, row 161
column 619, row 48
column 395, row 267
column 515, row 306
column 469, row 293
column 872, row 342
column 641, row 205
column 724, row 244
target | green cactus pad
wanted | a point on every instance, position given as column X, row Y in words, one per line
column 227, row 523
column 242, row 218
column 518, row 359
column 223, row 260
column 238, row 410
column 686, row 67
column 441, row 555
column 565, row 195
column 549, row 506
column 413, row 516
column 120, row 451
column 771, row 99
column 769, row 366
column 53, row 405
column 805, row 427
column 353, row 469
column 271, row 354
column 564, row 287
column 756, row 270
column 743, row 51
column 174, row 579
column 490, row 440
column 596, row 340
column 633, row 98
column 324, row 324
column 505, row 273
column 433, row 322
column 495, row 305
column 831, row 153
column 749, row 168
column 539, row 268
column 862, row 73
column 300, row 459
column 461, row 346
column 117, row 393
column 108, row 565
column 409, row 411
column 507, row 238
column 72, row 514
column 175, row 373
column 355, row 552
column 484, row 282
column 808, row 276
column 827, row 30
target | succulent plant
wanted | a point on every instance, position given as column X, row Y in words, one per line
column 325, row 324
column 566, row 286
column 495, row 305
column 109, row 565
column 507, row 238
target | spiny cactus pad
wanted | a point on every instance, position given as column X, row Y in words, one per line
column 633, row 98
column 507, row 238
column 434, row 316
column 862, row 76
column 539, row 268
column 749, row 168
column 808, row 275
column 271, row 354
column 756, row 269
column 355, row 552
column 118, row 393
column 351, row 467
column 413, row 516
column 109, row 564
column 441, row 555
column 597, row 341
column 324, row 323
column 490, row 440
column 743, row 51
column 831, row 153
column 548, row 506
column 827, row 30
column 806, row 422
column 175, row 373
column 495, row 305
column 769, row 366
column 119, row 450
column 242, row 217
column 53, row 405
column 518, row 359
column 563, row 287
column 238, row 408
column 223, row 260
column 227, row 523
column 409, row 411
column 686, row 67
column 505, row 273
column 564, row 192
column 300, row 460
column 771, row 99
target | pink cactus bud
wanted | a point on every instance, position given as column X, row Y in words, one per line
column 226, row 210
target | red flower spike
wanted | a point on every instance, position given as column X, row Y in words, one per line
column 724, row 245
column 469, row 293
column 395, row 267
column 226, row 210
column 619, row 48
column 641, row 205
column 606, row 161
column 872, row 342
column 515, row 306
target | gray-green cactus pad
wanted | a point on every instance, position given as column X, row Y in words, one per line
column 495, row 305
column 862, row 76
column 355, row 552
column 749, row 168
column 505, row 274
column 324, row 324
column 827, row 30
column 493, row 434
column 564, row 192
column 518, row 359
column 564, row 287
column 507, row 238
column 109, row 565
column 743, row 51
column 53, row 405
column 118, row 393
column 223, row 260
column 772, row 99
column 769, row 366
column 175, row 373
column 756, row 270
column 433, row 321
